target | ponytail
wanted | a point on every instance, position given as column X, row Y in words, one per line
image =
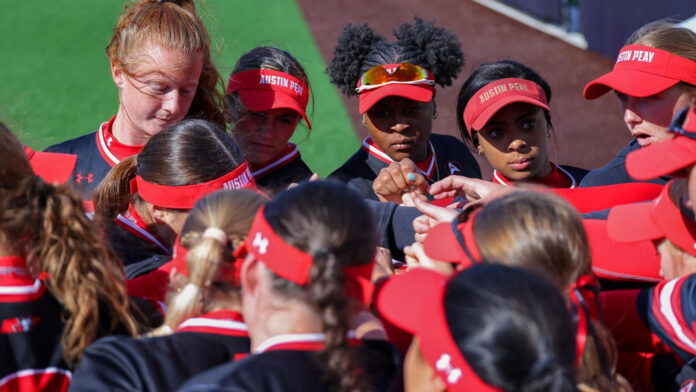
column 112, row 195
column 83, row 275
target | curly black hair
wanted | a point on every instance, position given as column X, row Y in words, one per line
column 359, row 48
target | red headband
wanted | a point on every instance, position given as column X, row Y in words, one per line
column 185, row 196
column 229, row 272
column 266, row 89
column 642, row 71
column 425, row 317
column 293, row 264
column 492, row 97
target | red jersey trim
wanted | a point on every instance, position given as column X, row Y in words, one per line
column 426, row 167
column 549, row 180
column 289, row 153
column 223, row 322
column 133, row 223
column 111, row 149
column 30, row 380
column 667, row 310
column 16, row 284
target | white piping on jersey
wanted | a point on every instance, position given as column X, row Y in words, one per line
column 498, row 179
column 105, row 147
column 215, row 323
column 668, row 312
column 381, row 154
column 31, row 372
column 143, row 232
column 573, row 183
column 277, row 163
column 21, row 289
column 295, row 338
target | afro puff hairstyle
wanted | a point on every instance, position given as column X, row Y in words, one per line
column 359, row 48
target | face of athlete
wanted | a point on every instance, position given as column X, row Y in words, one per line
column 263, row 135
column 514, row 141
column 674, row 262
column 648, row 118
column 401, row 127
column 419, row 376
column 156, row 93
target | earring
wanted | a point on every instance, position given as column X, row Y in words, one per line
column 480, row 152
column 435, row 115
column 364, row 122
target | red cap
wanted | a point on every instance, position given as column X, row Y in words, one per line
column 658, row 219
column 51, row 166
column 294, row 265
column 454, row 242
column 490, row 98
column 266, row 89
column 414, row 301
column 642, row 71
column 667, row 156
column 185, row 196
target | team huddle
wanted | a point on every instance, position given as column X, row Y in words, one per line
column 185, row 245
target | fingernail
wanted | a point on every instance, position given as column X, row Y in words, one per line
column 411, row 177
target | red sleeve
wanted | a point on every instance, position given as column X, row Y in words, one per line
column 621, row 317
column 600, row 198
column 636, row 261
column 153, row 285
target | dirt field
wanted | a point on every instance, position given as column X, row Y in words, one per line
column 588, row 132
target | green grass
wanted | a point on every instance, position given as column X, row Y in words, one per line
column 56, row 83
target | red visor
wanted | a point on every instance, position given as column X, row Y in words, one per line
column 492, row 97
column 414, row 301
column 293, row 264
column 185, row 196
column 642, row 71
column 266, row 89
column 658, row 219
column 418, row 86
column 454, row 242
column 667, row 156
column 50, row 166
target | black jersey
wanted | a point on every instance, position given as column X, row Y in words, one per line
column 97, row 153
column 615, row 172
column 292, row 363
column 131, row 239
column 162, row 363
column 30, row 333
column 283, row 170
column 447, row 156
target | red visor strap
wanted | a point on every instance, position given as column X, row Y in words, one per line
column 498, row 90
column 656, row 61
column 442, row 353
column 283, row 259
column 467, row 243
column 672, row 223
column 270, row 80
column 358, row 282
column 185, row 196
column 585, row 299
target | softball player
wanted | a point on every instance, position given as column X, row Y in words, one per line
column 160, row 81
column 395, row 84
column 267, row 94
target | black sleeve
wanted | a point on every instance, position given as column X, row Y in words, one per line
column 105, row 368
column 394, row 225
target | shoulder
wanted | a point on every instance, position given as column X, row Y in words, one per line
column 454, row 156
column 672, row 312
column 577, row 173
column 76, row 145
column 355, row 166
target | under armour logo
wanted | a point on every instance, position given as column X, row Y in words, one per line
column 391, row 70
column 79, row 177
column 260, row 243
column 108, row 141
column 444, row 364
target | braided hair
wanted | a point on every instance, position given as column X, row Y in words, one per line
column 359, row 48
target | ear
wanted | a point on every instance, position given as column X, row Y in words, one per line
column 249, row 275
column 158, row 214
column 364, row 120
column 118, row 76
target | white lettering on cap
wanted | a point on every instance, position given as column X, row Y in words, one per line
column 444, row 364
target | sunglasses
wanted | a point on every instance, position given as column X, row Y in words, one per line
column 404, row 73
column 678, row 124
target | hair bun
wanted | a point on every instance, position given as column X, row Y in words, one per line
column 354, row 44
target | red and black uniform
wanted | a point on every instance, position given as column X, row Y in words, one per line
column 446, row 156
column 97, row 153
column 162, row 363
column 561, row 176
column 292, row 363
column 30, row 330
column 284, row 169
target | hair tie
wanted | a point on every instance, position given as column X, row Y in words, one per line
column 216, row 234
column 322, row 252
column 539, row 368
